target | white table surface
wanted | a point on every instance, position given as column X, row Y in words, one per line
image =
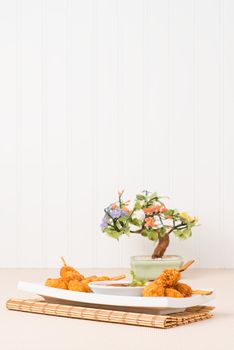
column 26, row 331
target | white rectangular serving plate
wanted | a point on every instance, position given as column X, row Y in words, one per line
column 160, row 305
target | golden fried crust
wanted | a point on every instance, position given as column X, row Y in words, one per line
column 66, row 269
column 56, row 283
column 173, row 293
column 69, row 273
column 184, row 289
column 78, row 286
column 154, row 290
column 169, row 278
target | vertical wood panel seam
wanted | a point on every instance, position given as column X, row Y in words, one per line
column 95, row 130
column 43, row 134
column 69, row 125
column 195, row 114
column 117, row 101
column 169, row 130
column 141, row 25
column 145, row 19
column 18, row 129
column 171, row 87
column 221, row 120
column 142, row 33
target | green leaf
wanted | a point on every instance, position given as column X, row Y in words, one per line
column 153, row 236
column 169, row 212
column 183, row 234
column 123, row 219
column 136, row 222
column 140, row 197
column 153, row 196
column 162, row 231
column 118, row 225
column 144, row 233
column 189, row 233
column 135, row 282
column 138, row 205
column 112, row 233
column 126, row 231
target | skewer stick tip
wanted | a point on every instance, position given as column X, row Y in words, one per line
column 202, row 292
column 185, row 266
column 63, row 260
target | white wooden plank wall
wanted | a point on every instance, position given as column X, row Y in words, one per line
column 100, row 95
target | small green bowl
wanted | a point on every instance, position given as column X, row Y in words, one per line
column 147, row 268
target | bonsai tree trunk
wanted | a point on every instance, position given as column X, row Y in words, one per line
column 161, row 247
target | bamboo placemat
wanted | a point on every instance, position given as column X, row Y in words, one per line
column 192, row 314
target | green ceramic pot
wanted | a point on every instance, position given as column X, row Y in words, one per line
column 147, row 268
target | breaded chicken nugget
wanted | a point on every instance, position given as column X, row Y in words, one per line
column 69, row 273
column 154, row 290
column 173, row 293
column 169, row 278
column 56, row 283
column 184, row 289
column 79, row 286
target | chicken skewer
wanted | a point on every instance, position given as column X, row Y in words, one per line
column 198, row 291
column 201, row 292
column 69, row 268
column 68, row 273
column 167, row 285
column 73, row 280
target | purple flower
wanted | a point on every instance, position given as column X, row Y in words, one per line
column 104, row 223
column 115, row 213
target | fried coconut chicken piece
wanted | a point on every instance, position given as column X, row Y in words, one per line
column 167, row 284
column 79, row 286
column 184, row 289
column 173, row 293
column 68, row 273
column 56, row 283
column 154, row 289
column 169, row 278
column 166, row 281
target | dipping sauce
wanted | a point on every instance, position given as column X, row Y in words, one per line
column 118, row 285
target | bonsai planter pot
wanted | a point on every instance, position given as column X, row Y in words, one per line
column 146, row 268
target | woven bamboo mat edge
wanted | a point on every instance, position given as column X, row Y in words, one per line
column 190, row 315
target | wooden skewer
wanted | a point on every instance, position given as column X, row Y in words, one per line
column 93, row 276
column 184, row 267
column 63, row 260
column 202, row 292
column 117, row 278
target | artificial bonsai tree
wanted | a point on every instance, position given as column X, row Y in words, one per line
column 148, row 217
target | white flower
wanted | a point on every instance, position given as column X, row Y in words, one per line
column 139, row 214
